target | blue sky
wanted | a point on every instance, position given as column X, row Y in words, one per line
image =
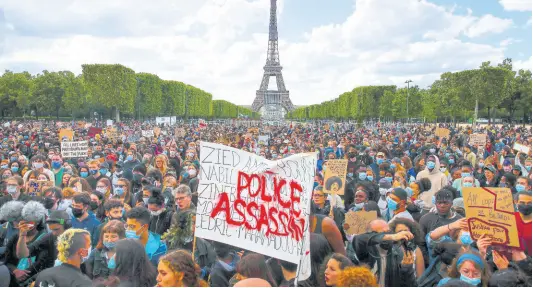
column 327, row 47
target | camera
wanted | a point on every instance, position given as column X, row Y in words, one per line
column 409, row 245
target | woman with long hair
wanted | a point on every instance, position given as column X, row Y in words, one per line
column 161, row 163
column 333, row 267
column 252, row 265
column 133, row 268
column 177, row 269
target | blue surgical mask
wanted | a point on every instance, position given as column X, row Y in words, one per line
column 528, row 168
column 430, row 164
column 465, row 174
column 468, row 184
column 111, row 263
column 362, row 175
column 433, row 200
column 472, row 281
column 389, row 179
column 14, row 169
column 129, row 158
column 392, row 205
column 132, row 234
column 359, row 206
column 379, row 161
column 56, row 164
column 409, row 191
column 466, row 239
column 93, row 172
column 451, row 161
column 350, row 175
column 110, row 245
column 392, row 166
column 481, row 165
column 447, row 154
column 103, row 171
column 84, row 174
column 4, row 166
column 520, row 187
column 370, row 177
column 118, row 191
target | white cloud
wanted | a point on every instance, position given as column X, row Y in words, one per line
column 509, row 41
column 220, row 45
column 516, row 5
column 525, row 64
column 488, row 24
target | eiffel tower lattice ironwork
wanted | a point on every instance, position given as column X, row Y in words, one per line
column 275, row 102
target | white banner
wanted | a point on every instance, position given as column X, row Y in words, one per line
column 109, row 122
column 74, row 149
column 256, row 204
column 147, row 133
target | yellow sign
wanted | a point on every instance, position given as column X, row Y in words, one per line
column 478, row 139
column 490, row 211
column 335, row 176
column 442, row 132
column 66, row 133
column 36, row 187
column 358, row 221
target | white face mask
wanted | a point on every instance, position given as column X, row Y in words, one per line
column 192, row 172
column 157, row 213
column 12, row 189
column 38, row 165
column 101, row 190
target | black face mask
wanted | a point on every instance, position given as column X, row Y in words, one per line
column 77, row 212
column 93, row 205
column 49, row 203
column 524, row 209
column 137, row 178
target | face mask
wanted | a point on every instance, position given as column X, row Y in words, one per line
column 468, row 184
column 56, row 164
column 432, row 151
column 103, row 171
column 359, row 206
column 362, row 175
column 442, row 169
column 481, row 165
column 383, row 191
column 379, row 161
column 137, row 178
column 84, row 174
column 13, row 159
column 132, row 234
column 119, row 191
column 392, row 166
column 38, row 165
column 350, row 175
column 3, row 167
column 433, row 200
column 49, row 203
column 172, row 153
column 111, row 264
column 447, row 154
column 156, row 213
column 528, row 168
column 145, row 200
column 389, row 179
column 14, row 169
column 466, row 239
column 431, row 164
column 190, row 154
column 464, row 175
column 392, row 205
column 192, row 172
column 409, row 192
column 472, row 281
column 520, row 188
column 77, row 212
column 524, row 209
column 93, row 205
column 93, row 172
column 110, row 245
column 12, row 189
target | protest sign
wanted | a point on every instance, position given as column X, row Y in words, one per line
column 147, row 133
column 358, row 221
column 478, row 139
column 490, row 211
column 109, row 122
column 335, row 176
column 111, row 133
column 68, row 133
column 74, row 149
column 256, row 204
column 93, row 131
column 521, row 148
column 179, row 132
column 36, row 187
column 157, row 131
column 263, row 139
column 442, row 132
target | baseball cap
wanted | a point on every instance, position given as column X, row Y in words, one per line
column 58, row 216
column 383, row 183
column 506, row 162
column 490, row 168
column 400, row 193
column 381, row 154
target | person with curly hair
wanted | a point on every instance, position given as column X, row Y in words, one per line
column 402, row 224
column 73, row 248
column 357, row 276
column 334, row 184
column 333, row 267
column 177, row 269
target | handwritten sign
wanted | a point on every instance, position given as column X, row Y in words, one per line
column 490, row 211
column 263, row 139
column 36, row 187
column 157, row 131
column 256, row 204
column 147, row 133
column 179, row 132
column 111, row 133
column 67, row 134
column 74, row 149
column 335, row 176
column 478, row 139
column 521, row 148
column 358, row 221
column 442, row 132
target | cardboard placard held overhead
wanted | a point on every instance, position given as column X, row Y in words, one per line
column 157, row 131
column 147, row 133
column 74, row 149
column 358, row 221
column 490, row 211
column 478, row 139
column 68, row 133
column 335, row 176
column 521, row 148
column 442, row 132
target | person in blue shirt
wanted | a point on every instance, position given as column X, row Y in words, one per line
column 137, row 223
column 83, row 218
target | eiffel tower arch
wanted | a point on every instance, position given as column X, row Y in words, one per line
column 275, row 103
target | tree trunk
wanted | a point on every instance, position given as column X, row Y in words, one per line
column 488, row 114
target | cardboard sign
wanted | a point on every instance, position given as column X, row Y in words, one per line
column 442, row 132
column 74, row 149
column 335, row 176
column 358, row 221
column 263, row 139
column 521, row 148
column 147, row 133
column 245, row 206
column 478, row 139
column 93, row 131
column 111, row 133
column 36, row 187
column 490, row 211
column 157, row 131
column 68, row 133
column 179, row 132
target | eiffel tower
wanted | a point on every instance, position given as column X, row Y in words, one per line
column 275, row 102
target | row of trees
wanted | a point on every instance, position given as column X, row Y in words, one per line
column 108, row 90
column 496, row 90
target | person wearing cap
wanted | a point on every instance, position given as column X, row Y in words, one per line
column 490, row 179
column 397, row 205
column 437, row 178
column 58, row 222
